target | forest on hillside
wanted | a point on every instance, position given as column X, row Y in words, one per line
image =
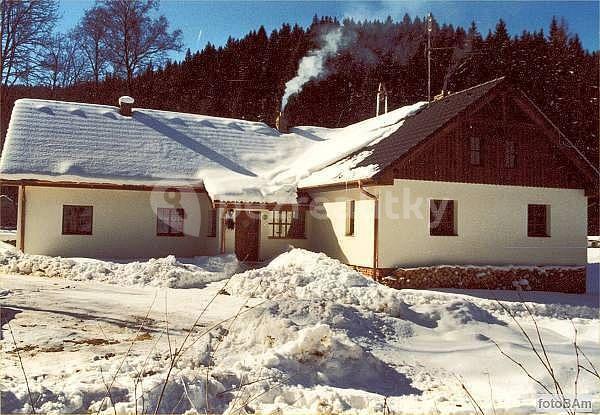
column 245, row 78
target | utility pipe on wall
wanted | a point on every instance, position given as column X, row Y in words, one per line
column 375, row 227
column 21, row 220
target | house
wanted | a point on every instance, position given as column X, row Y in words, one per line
column 479, row 176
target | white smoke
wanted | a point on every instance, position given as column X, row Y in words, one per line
column 312, row 66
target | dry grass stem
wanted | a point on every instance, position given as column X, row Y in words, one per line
column 22, row 367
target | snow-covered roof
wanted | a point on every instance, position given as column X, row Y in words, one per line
column 235, row 160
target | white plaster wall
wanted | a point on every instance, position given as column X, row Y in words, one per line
column 124, row 224
column 491, row 222
column 492, row 226
column 328, row 226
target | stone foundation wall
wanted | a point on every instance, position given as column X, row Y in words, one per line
column 560, row 279
column 375, row 273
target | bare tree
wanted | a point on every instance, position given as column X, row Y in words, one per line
column 76, row 68
column 136, row 40
column 53, row 62
column 90, row 34
column 25, row 27
column 62, row 63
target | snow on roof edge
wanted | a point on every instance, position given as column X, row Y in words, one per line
column 70, row 179
column 116, row 108
column 335, row 146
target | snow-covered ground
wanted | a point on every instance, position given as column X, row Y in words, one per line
column 8, row 234
column 593, row 255
column 169, row 271
column 303, row 334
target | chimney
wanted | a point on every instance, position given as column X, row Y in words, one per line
column 125, row 105
column 281, row 123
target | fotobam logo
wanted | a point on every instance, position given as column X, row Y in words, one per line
column 568, row 404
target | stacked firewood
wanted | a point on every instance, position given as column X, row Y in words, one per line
column 537, row 278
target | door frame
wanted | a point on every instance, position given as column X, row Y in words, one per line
column 258, row 231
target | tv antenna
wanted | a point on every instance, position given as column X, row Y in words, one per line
column 429, row 29
column 429, row 49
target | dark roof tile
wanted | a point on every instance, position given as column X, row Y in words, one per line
column 421, row 125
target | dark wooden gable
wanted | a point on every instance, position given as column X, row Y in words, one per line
column 502, row 123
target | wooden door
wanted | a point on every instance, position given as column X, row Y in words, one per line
column 247, row 228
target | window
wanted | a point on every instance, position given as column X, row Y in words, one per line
column 510, row 155
column 169, row 222
column 442, row 218
column 475, row 151
column 212, row 223
column 77, row 220
column 537, row 220
column 287, row 224
column 350, row 217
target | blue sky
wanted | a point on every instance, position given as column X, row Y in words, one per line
column 213, row 21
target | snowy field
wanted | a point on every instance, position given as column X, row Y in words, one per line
column 305, row 334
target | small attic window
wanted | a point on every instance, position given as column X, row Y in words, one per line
column 510, row 155
column 475, row 150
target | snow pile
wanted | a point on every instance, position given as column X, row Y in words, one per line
column 317, row 338
column 166, row 272
column 307, row 366
column 307, row 275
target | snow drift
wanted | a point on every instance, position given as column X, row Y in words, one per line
column 323, row 339
column 167, row 272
